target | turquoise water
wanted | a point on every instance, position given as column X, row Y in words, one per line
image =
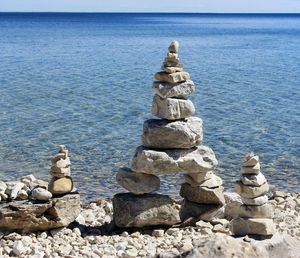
column 84, row 80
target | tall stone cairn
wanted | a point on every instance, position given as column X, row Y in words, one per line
column 256, row 213
column 171, row 144
column 61, row 182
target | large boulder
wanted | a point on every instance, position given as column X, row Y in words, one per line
column 165, row 134
column 29, row 216
column 139, row 211
column 203, row 195
column 195, row 160
column 178, row 90
column 137, row 183
column 172, row 109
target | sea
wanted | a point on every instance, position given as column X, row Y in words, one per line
column 84, row 80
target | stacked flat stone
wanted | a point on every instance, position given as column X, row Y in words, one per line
column 172, row 144
column 61, row 182
column 256, row 213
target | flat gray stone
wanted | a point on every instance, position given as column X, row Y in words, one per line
column 251, row 192
column 262, row 211
column 172, row 77
column 195, row 160
column 206, row 212
column 172, row 109
column 165, row 134
column 253, row 180
column 242, row 227
column 139, row 211
column 260, row 200
column 137, row 183
column 178, row 90
column 29, row 216
column 251, row 169
column 212, row 182
column 203, row 195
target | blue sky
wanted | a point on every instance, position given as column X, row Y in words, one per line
column 269, row 6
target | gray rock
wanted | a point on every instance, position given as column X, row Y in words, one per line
column 212, row 182
column 251, row 170
column 251, row 192
column 3, row 187
column 165, row 134
column 170, row 69
column 198, row 178
column 251, row 160
column 172, row 77
column 195, row 160
column 172, row 109
column 41, row 194
column 178, row 90
column 203, row 195
column 29, row 216
column 253, row 180
column 242, row 227
column 137, row 183
column 131, row 210
column 250, row 211
column 174, row 47
column 60, row 172
column 13, row 187
column 206, row 212
column 260, row 200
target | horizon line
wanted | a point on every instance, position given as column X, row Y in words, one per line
column 137, row 12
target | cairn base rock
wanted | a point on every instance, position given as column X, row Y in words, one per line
column 146, row 210
column 30, row 216
column 242, row 227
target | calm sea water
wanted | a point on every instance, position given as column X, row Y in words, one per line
column 84, row 80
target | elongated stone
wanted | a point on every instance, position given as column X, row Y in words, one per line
column 198, row 178
column 178, row 90
column 262, row 211
column 131, row 210
column 137, row 183
column 203, row 195
column 172, row 109
column 165, row 134
column 171, row 64
column 253, row 180
column 247, row 191
column 242, row 227
column 171, row 69
column 174, row 47
column 172, row 77
column 195, row 160
column 251, row 170
column 212, row 182
column 260, row 200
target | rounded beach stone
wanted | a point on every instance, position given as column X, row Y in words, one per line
column 212, row 182
column 174, row 47
column 178, row 90
column 137, row 183
column 61, row 185
column 172, row 77
column 165, row 134
column 253, row 180
column 261, row 200
column 41, row 194
column 172, row 109
column 247, row 191
column 242, row 227
column 203, row 195
column 194, row 160
column 261, row 211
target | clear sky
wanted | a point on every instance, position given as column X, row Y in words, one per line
column 223, row 6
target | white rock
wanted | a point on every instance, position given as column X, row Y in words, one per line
column 196, row 160
column 251, row 170
column 18, row 248
column 244, row 227
column 41, row 194
column 174, row 47
column 253, row 180
column 261, row 200
column 13, row 187
column 172, row 109
column 178, row 90
column 251, row 192
column 198, row 178
column 212, row 182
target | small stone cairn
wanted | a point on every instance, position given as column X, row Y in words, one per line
column 61, row 182
column 256, row 213
column 171, row 144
